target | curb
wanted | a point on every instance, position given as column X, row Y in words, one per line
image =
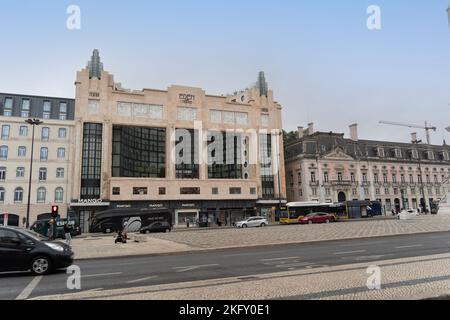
column 226, row 249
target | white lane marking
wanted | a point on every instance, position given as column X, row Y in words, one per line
column 349, row 252
column 294, row 265
column 362, row 244
column 280, row 259
column 190, row 268
column 101, row 275
column 29, row 288
column 141, row 280
column 411, row 246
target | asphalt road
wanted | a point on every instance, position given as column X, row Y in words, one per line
column 104, row 274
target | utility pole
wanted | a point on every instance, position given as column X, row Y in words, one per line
column 33, row 123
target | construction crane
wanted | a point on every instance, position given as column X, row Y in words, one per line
column 427, row 128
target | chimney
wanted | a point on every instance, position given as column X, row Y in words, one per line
column 301, row 132
column 311, row 128
column 354, row 132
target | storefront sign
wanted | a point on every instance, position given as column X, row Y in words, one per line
column 94, row 94
column 156, row 205
column 188, row 205
column 90, row 201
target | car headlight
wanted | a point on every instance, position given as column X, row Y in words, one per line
column 54, row 246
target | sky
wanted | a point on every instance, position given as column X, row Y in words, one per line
column 322, row 62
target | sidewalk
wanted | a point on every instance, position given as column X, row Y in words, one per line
column 201, row 239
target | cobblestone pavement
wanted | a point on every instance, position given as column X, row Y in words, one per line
column 210, row 239
column 408, row 278
column 98, row 247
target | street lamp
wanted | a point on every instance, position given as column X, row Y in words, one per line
column 33, row 123
column 278, row 135
column 424, row 202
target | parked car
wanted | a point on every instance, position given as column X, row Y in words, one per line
column 252, row 222
column 155, row 227
column 319, row 217
column 24, row 250
column 407, row 214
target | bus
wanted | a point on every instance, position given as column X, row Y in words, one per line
column 298, row 210
column 129, row 220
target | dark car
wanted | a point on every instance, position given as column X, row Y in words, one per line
column 41, row 227
column 155, row 227
column 23, row 250
column 318, row 218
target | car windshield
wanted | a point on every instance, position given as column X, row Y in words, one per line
column 34, row 235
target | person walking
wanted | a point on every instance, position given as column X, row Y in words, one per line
column 50, row 230
column 67, row 234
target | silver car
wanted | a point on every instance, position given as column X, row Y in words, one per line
column 253, row 222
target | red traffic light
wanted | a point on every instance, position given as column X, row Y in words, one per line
column 55, row 210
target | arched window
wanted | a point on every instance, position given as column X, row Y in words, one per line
column 59, row 195
column 2, row 195
column 41, row 195
column 18, row 195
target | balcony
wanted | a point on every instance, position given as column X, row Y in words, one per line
column 342, row 183
column 314, row 183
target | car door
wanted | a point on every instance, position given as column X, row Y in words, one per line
column 253, row 222
column 318, row 218
column 13, row 255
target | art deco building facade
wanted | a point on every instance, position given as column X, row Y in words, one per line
column 52, row 155
column 327, row 167
column 202, row 156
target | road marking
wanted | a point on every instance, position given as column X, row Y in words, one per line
column 349, row 252
column 280, row 259
column 102, row 275
column 412, row 246
column 190, row 268
column 29, row 288
column 143, row 279
column 362, row 244
column 294, row 265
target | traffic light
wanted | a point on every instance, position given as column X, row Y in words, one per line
column 55, row 211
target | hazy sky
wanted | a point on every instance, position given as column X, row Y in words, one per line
column 320, row 59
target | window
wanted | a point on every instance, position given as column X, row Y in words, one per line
column 411, row 178
column 216, row 116
column 385, row 178
column 44, row 154
column 61, row 153
column 354, row 192
column 313, row 177
column 377, row 191
column 137, row 152
column 3, row 153
column 252, row 191
column 47, row 110
column 62, row 133
column 45, row 134
column 229, row 117
column 314, row 192
column 380, row 152
column 430, row 155
column 2, row 195
column 225, row 156
column 5, row 132
column 2, row 173
column 23, row 131
column 116, row 191
column 60, row 173
column 398, row 153
column 364, row 176
column 402, row 179
column 18, row 195
column 413, row 191
column 265, row 120
column 22, row 152
column 215, row 191
column 91, row 161
column 241, row 118
column 445, row 156
column 7, row 109
column 266, row 170
column 341, row 177
column 428, row 178
column 20, row 172
column 186, row 114
column 63, row 111
column 189, row 191
column 187, row 154
column 394, row 178
column 326, row 177
column 414, row 154
column 162, row 191
column 59, row 195
column 419, row 178
column 42, row 174
column 25, row 112
column 140, row 191
column 41, row 195
column 386, row 191
column 235, row 191
column 327, row 192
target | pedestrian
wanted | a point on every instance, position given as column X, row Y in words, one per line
column 50, row 230
column 188, row 223
column 121, row 237
column 67, row 234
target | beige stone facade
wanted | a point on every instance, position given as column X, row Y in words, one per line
column 100, row 100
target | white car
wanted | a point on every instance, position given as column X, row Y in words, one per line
column 407, row 214
column 253, row 222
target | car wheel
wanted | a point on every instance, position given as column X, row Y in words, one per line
column 327, row 221
column 244, row 226
column 147, row 231
column 263, row 225
column 310, row 222
column 167, row 230
column 41, row 266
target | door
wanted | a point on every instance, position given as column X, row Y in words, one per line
column 342, row 197
column 13, row 256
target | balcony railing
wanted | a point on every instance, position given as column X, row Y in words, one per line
column 344, row 183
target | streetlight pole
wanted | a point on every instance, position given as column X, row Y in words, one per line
column 424, row 202
column 280, row 134
column 33, row 123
